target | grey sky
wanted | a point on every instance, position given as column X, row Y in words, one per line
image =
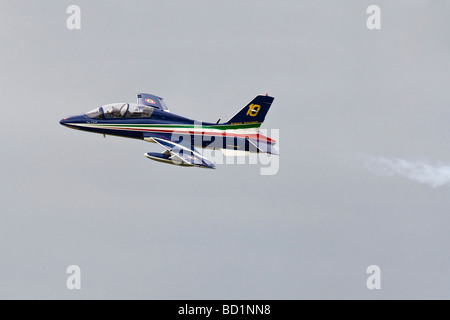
column 140, row 229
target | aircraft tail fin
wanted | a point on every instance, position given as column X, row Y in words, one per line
column 254, row 112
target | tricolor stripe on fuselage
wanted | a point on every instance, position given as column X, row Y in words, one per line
column 238, row 131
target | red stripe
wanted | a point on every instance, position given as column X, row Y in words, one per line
column 256, row 136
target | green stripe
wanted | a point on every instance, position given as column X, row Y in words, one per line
column 235, row 126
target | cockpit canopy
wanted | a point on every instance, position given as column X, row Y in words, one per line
column 121, row 111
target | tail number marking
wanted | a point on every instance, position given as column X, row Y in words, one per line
column 253, row 110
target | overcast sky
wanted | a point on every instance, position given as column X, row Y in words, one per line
column 359, row 112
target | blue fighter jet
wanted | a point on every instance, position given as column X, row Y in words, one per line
column 150, row 120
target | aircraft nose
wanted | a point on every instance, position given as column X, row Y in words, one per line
column 73, row 121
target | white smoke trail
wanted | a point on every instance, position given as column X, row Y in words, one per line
column 435, row 175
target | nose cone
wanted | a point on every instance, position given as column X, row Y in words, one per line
column 73, row 121
column 64, row 121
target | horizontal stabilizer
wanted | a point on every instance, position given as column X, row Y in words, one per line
column 263, row 146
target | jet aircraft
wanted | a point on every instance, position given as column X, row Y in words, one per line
column 150, row 120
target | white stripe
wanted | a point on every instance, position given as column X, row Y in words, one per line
column 192, row 129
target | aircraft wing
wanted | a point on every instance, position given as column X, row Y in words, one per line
column 183, row 154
